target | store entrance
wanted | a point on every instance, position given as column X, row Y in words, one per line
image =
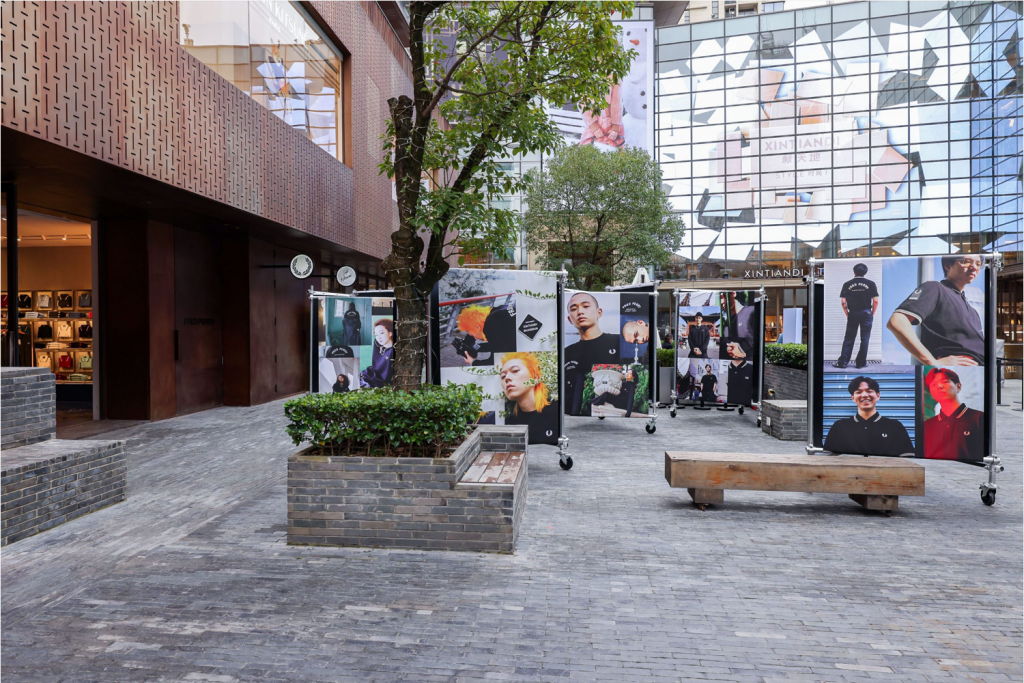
column 55, row 326
column 199, row 356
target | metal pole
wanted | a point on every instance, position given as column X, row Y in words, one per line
column 991, row 378
column 11, row 190
column 564, row 458
column 811, row 358
column 674, row 397
column 760, row 370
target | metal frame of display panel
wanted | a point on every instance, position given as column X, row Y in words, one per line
column 674, row 402
column 815, row 375
column 652, row 366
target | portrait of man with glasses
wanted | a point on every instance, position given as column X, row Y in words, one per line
column 951, row 331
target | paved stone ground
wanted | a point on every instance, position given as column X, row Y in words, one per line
column 617, row 577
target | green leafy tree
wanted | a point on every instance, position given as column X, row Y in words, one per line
column 600, row 215
column 481, row 74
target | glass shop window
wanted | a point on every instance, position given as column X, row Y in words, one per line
column 275, row 53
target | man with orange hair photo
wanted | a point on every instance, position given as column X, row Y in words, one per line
column 488, row 330
column 528, row 400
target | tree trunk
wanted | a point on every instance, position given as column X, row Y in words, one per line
column 411, row 342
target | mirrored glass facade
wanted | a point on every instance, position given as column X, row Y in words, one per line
column 858, row 129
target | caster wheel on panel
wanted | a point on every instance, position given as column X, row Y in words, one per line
column 651, row 428
column 671, row 413
column 565, row 464
column 988, row 497
column 741, row 410
column 600, row 417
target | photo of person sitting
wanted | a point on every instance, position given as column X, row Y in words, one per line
column 595, row 347
column 341, row 386
column 951, row 329
column 708, row 386
column 524, row 388
column 867, row 432
column 956, row 432
column 698, row 338
column 614, row 386
column 739, row 327
column 859, row 299
column 382, row 365
column 488, row 330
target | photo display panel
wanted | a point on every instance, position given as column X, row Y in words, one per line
column 499, row 329
column 608, row 356
column 904, row 353
column 718, row 347
column 355, row 343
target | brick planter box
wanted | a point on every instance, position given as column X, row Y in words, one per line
column 786, row 420
column 788, row 384
column 53, row 482
column 408, row 502
column 29, row 408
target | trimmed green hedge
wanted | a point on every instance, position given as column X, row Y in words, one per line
column 666, row 358
column 428, row 423
column 787, row 355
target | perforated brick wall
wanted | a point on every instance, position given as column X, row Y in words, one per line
column 109, row 80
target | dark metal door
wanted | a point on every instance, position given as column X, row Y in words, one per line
column 198, row 349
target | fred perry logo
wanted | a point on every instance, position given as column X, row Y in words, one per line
column 884, row 435
column 612, row 351
column 967, row 433
column 915, row 295
column 548, row 433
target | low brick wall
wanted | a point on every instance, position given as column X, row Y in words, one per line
column 788, row 384
column 28, row 396
column 55, row 481
column 786, row 420
column 407, row 502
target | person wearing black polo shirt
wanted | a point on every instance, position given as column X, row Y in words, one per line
column 859, row 298
column 739, row 329
column 698, row 337
column 594, row 348
column 867, row 432
column 708, row 386
column 740, row 387
column 951, row 330
column 956, row 432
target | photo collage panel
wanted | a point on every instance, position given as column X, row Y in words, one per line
column 499, row 329
column 607, row 353
column 904, row 356
column 356, row 349
column 718, row 346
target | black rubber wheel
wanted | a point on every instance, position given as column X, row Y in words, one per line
column 565, row 464
column 600, row 417
column 741, row 410
column 672, row 413
column 988, row 497
column 758, row 422
column 651, row 428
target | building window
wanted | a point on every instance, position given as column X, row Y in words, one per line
column 275, row 53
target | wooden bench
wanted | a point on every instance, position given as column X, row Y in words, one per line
column 874, row 482
column 494, row 468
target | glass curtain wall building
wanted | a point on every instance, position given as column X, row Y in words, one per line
column 851, row 130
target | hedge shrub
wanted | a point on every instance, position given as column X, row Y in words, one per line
column 787, row 355
column 666, row 358
column 427, row 423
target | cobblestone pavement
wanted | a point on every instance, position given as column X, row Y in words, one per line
column 617, row 576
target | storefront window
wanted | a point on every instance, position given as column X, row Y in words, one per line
column 273, row 52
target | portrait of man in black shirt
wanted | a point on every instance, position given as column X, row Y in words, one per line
column 859, row 298
column 956, row 432
column 698, row 337
column 708, row 386
column 867, row 432
column 739, row 387
column 951, row 329
column 739, row 326
column 594, row 347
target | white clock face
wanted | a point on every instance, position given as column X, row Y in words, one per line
column 302, row 266
column 346, row 276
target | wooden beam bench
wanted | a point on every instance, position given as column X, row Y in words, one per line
column 874, row 482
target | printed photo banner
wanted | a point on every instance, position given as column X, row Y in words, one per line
column 607, row 357
column 354, row 347
column 499, row 329
column 904, row 344
column 718, row 347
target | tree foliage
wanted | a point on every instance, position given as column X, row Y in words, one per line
column 600, row 214
column 481, row 74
